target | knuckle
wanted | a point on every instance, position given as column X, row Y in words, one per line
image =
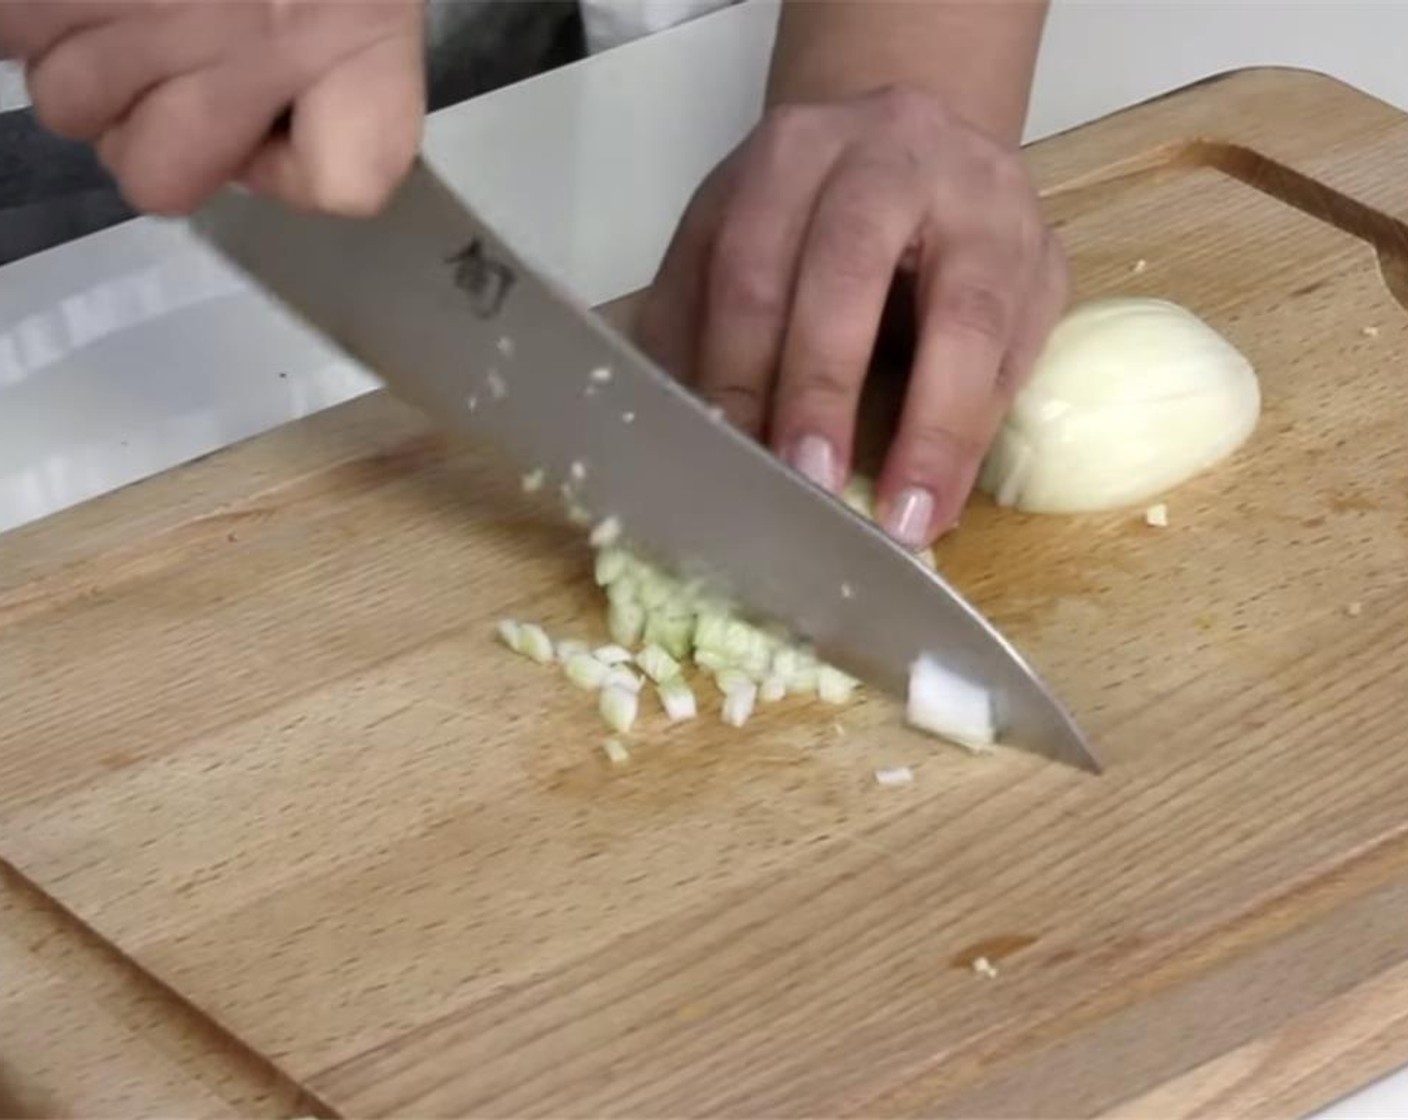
column 975, row 307
column 931, row 442
column 743, row 283
column 785, row 131
column 856, row 244
column 64, row 96
column 822, row 389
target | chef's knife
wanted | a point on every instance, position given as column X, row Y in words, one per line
column 431, row 300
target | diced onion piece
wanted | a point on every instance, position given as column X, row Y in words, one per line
column 578, row 470
column 985, row 968
column 613, row 655
column 944, row 704
column 773, row 688
column 509, row 633
column 738, row 704
column 710, row 660
column 1157, row 516
column 570, row 647
column 579, row 514
column 601, row 375
column 625, row 621
column 585, row 671
column 656, row 664
column 677, row 698
column 534, row 642
column 731, row 680
column 611, row 565
column 834, row 686
column 498, row 387
column 618, row 676
column 619, row 707
column 616, row 752
column 533, row 481
column 673, row 633
column 891, row 777
column 606, row 533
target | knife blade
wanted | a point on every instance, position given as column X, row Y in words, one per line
column 433, row 302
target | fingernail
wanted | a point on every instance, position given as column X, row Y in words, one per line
column 909, row 517
column 814, row 457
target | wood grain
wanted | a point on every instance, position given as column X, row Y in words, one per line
column 301, row 786
column 83, row 1032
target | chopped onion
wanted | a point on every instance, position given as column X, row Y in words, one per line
column 616, row 752
column 471, row 402
column 891, row 777
column 533, row 481
column 611, row 564
column 509, row 633
column 506, row 346
column 628, row 417
column 613, row 655
column 677, row 698
column 618, row 707
column 738, row 704
column 606, row 533
column 601, row 375
column 570, row 647
column 731, row 680
column 944, row 704
column 578, row 470
column 585, row 671
column 618, row 676
column 498, row 387
column 533, row 642
column 985, row 968
column 834, row 686
column 656, row 664
column 1157, row 516
column 626, row 621
column 772, row 688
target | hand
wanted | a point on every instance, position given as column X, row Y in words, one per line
column 181, row 96
column 770, row 296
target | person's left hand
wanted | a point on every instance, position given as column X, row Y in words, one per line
column 770, row 297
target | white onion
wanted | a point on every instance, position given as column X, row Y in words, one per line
column 616, row 752
column 1130, row 398
column 944, row 704
column 738, row 704
column 619, row 707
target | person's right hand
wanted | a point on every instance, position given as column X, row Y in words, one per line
column 182, row 96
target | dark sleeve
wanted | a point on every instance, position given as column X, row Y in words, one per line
column 51, row 190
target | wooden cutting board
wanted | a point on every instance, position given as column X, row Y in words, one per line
column 255, row 734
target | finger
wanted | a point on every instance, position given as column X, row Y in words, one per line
column 167, row 156
column 30, row 28
column 967, row 316
column 753, row 265
column 1041, row 310
column 866, row 217
column 90, row 80
column 667, row 325
column 353, row 135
